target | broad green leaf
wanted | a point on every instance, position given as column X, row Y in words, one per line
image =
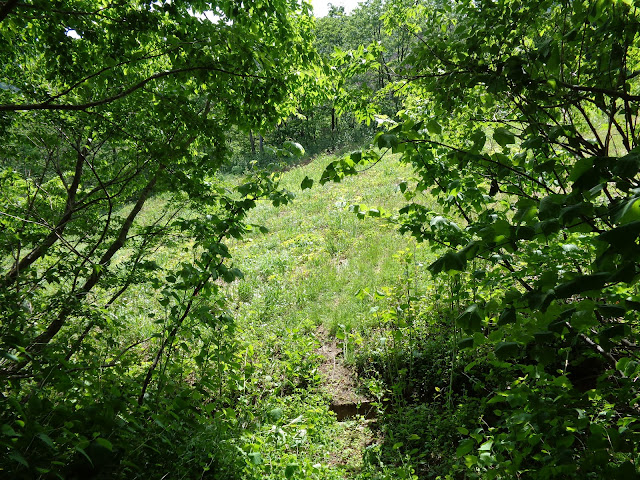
column 630, row 212
column 486, row 446
column 581, row 283
column 470, row 320
column 84, row 454
column 503, row 137
column 479, row 139
column 618, row 330
column 306, row 183
column 290, row 470
column 46, row 439
column 387, row 140
column 507, row 350
column 14, row 455
column 550, row 206
column 507, row 316
column 465, row 447
column 581, row 166
column 622, row 237
column 434, row 127
column 103, row 442
column 9, row 356
column 294, row 148
column 449, row 262
column 276, row 414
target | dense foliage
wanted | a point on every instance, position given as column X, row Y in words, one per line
column 104, row 107
column 521, row 120
column 504, row 344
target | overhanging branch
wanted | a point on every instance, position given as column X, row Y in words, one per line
column 124, row 93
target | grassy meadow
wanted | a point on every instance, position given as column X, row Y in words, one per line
column 306, row 276
column 320, row 275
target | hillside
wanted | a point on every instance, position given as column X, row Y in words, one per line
column 195, row 284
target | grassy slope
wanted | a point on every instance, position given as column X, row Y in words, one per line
column 304, row 273
column 317, row 254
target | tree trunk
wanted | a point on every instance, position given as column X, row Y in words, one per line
column 57, row 231
column 42, row 340
column 252, row 141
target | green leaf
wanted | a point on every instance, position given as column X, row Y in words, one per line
column 486, row 446
column 470, row 320
column 255, row 458
column 630, row 212
column 619, row 330
column 611, row 311
column 387, row 140
column 465, row 447
column 582, row 166
column 103, row 442
column 8, row 431
column 507, row 350
column 582, row 283
column 276, row 414
column 294, row 148
column 623, row 236
column 9, row 356
column 544, row 337
column 503, row 137
column 13, row 455
column 306, row 183
column 47, row 440
column 434, row 127
column 550, row 206
column 81, row 450
column 470, row 461
column 290, row 470
column 507, row 316
column 478, row 138
column 449, row 262
column 628, row 166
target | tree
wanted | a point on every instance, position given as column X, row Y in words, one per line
column 521, row 120
column 104, row 107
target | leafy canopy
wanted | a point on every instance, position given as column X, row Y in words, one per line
column 520, row 118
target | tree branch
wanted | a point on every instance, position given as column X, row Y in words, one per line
column 124, row 93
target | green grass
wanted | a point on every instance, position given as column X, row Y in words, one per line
column 304, row 273
column 317, row 253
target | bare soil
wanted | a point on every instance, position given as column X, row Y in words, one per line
column 340, row 381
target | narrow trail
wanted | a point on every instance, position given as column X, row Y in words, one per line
column 355, row 412
column 340, row 381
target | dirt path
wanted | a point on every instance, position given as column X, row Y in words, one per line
column 355, row 412
column 340, row 381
